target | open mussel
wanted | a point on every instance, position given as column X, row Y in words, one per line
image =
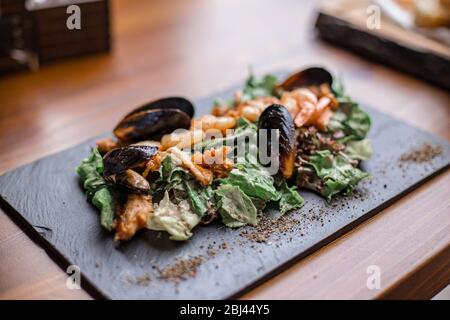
column 132, row 182
column 278, row 117
column 179, row 103
column 314, row 76
column 119, row 164
column 129, row 157
column 151, row 124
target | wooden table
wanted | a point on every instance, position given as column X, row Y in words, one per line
column 196, row 47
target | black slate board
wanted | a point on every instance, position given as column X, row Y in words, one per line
column 46, row 199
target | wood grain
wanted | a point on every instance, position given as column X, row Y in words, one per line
column 166, row 47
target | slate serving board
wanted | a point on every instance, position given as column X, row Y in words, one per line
column 45, row 198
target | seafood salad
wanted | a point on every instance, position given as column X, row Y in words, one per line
column 166, row 170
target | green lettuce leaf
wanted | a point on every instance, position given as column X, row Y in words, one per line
column 336, row 172
column 97, row 190
column 171, row 176
column 338, row 87
column 201, row 198
column 351, row 119
column 290, row 199
column 255, row 87
column 359, row 150
column 103, row 199
column 176, row 219
column 235, row 207
column 253, row 180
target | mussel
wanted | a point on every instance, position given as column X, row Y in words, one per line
column 278, row 117
column 151, row 124
column 132, row 182
column 129, row 157
column 119, row 164
column 179, row 103
column 314, row 76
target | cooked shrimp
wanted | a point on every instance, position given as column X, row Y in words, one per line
column 290, row 102
column 322, row 105
column 134, row 216
column 106, row 145
column 219, row 111
column 208, row 122
column 303, row 95
column 324, row 119
column 306, row 112
column 154, row 164
column 252, row 109
column 216, row 160
column 204, row 176
column 181, row 139
column 251, row 113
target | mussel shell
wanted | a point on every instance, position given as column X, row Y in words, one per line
column 278, row 117
column 179, row 103
column 132, row 182
column 151, row 124
column 306, row 78
column 119, row 160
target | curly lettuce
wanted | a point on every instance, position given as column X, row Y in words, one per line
column 176, row 219
column 90, row 172
column 336, row 172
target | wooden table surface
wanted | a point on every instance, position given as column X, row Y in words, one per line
column 194, row 48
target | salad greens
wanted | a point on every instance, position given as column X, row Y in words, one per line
column 97, row 190
column 175, row 219
column 235, row 207
column 255, row 87
column 336, row 172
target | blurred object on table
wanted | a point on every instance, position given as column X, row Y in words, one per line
column 385, row 31
column 35, row 32
column 428, row 17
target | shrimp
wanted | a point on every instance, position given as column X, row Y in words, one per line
column 324, row 119
column 290, row 102
column 306, row 112
column 322, row 105
column 134, row 216
column 204, row 176
column 216, row 160
column 252, row 109
column 208, row 122
column 300, row 103
column 251, row 113
column 303, row 95
column 182, row 139
column 154, row 164
column 108, row 144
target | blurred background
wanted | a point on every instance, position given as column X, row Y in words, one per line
column 61, row 85
column 129, row 52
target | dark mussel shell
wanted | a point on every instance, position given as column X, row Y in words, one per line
column 132, row 182
column 119, row 160
column 278, row 117
column 179, row 103
column 306, row 78
column 151, row 124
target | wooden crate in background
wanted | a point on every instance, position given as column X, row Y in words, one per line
column 39, row 30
